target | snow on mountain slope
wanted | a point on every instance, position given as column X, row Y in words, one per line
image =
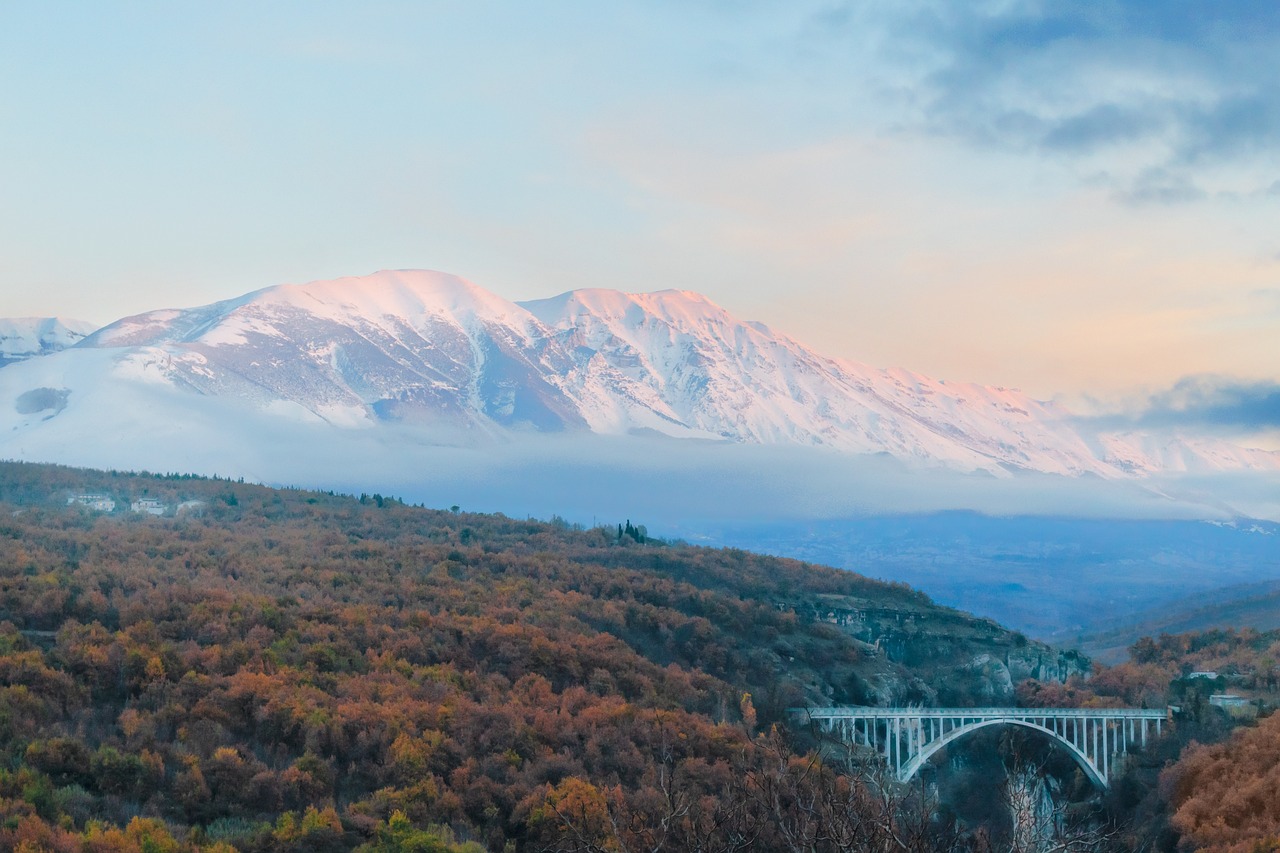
column 427, row 357
column 1150, row 452
column 691, row 362
column 390, row 346
column 27, row 337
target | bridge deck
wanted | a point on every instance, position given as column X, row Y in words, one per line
column 985, row 713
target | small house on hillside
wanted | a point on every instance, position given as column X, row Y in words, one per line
column 1235, row 706
column 99, row 503
column 151, row 506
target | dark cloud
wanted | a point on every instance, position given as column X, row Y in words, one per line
column 1233, row 125
column 1198, row 81
column 1104, row 124
column 1206, row 402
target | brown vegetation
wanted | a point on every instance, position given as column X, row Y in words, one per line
column 296, row 671
column 1227, row 796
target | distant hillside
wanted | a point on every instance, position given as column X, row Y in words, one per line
column 1255, row 606
column 277, row 667
column 1059, row 579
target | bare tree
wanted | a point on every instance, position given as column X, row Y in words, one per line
column 1040, row 821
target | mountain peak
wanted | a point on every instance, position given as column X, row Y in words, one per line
column 388, row 298
column 679, row 308
column 402, row 294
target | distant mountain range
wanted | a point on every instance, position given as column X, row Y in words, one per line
column 26, row 337
column 443, row 360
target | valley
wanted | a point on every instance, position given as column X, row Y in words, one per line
column 1069, row 581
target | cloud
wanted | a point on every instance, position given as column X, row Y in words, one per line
column 1207, row 402
column 1160, row 186
column 678, row 487
column 1164, row 95
column 1103, row 124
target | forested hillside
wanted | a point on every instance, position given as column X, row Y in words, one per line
column 287, row 670
column 1210, row 783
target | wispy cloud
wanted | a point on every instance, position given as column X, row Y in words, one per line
column 1160, row 185
column 1162, row 94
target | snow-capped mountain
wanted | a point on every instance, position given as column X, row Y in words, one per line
column 680, row 356
column 25, row 337
column 393, row 346
column 433, row 354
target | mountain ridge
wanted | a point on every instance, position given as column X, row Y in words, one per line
column 436, row 352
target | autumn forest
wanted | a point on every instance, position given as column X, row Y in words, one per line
column 239, row 668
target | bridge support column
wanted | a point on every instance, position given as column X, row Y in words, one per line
column 897, row 744
column 1093, row 756
column 1106, row 748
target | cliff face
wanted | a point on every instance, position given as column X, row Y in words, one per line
column 917, row 653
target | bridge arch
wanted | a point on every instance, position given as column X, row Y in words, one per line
column 1095, row 738
column 918, row 760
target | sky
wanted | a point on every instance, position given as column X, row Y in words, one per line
column 1079, row 199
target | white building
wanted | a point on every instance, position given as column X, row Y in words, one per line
column 101, row 503
column 152, row 506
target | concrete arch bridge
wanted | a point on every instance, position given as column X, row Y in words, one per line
column 1097, row 738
